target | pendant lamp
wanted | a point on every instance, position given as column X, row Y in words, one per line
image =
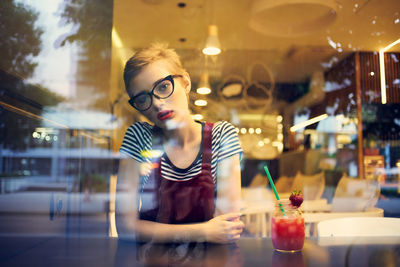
column 213, row 46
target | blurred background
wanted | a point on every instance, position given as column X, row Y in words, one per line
column 312, row 87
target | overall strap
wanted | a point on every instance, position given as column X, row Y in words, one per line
column 207, row 144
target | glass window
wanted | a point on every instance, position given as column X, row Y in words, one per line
column 309, row 89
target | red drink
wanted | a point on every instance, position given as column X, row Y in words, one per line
column 287, row 230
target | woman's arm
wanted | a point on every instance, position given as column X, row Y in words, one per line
column 228, row 186
column 221, row 229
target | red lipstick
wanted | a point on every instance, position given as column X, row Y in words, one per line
column 165, row 114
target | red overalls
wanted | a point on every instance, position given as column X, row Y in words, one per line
column 179, row 202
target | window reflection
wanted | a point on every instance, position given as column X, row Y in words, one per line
column 64, row 112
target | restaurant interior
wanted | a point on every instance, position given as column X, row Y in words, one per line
column 312, row 88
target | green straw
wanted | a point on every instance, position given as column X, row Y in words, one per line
column 273, row 188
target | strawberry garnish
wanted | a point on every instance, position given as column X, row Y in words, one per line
column 296, row 198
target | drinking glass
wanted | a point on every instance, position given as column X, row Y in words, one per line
column 287, row 227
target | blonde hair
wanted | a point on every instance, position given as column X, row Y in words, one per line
column 145, row 56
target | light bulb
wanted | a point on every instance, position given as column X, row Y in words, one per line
column 200, row 103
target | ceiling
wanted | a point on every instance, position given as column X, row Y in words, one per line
column 365, row 25
column 249, row 54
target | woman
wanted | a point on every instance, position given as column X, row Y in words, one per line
column 171, row 169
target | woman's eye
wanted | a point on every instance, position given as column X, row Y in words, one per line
column 141, row 99
column 164, row 86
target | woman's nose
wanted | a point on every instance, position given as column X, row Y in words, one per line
column 157, row 102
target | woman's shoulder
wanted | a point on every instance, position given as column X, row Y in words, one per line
column 223, row 127
column 137, row 139
column 225, row 140
column 140, row 127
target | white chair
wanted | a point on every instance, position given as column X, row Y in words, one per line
column 354, row 195
column 359, row 226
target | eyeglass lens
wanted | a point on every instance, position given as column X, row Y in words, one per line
column 162, row 90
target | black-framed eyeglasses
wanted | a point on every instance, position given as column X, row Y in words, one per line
column 162, row 89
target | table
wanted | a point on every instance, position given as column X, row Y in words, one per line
column 103, row 251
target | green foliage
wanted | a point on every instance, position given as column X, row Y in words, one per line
column 94, row 20
column 19, row 38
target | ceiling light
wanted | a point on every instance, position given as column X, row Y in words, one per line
column 204, row 85
column 197, row 117
column 200, row 103
column 304, row 124
column 213, row 47
column 382, row 69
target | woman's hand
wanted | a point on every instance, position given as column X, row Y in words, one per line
column 224, row 229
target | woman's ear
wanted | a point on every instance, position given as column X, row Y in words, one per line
column 187, row 84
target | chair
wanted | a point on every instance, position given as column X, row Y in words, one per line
column 359, row 226
column 284, row 185
column 312, row 186
column 353, row 195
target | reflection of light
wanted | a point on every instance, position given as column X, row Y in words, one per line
column 258, row 131
column 382, row 69
column 112, row 232
column 308, row 122
column 267, row 140
column 243, row 131
column 155, row 153
column 116, row 39
column 197, row 117
column 203, row 90
column 200, row 103
column 122, row 52
column 372, row 73
column 280, row 137
column 260, row 143
column 251, row 130
column 30, row 115
column 383, row 79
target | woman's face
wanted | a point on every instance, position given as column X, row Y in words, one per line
column 170, row 112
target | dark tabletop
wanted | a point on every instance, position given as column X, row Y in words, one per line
column 99, row 251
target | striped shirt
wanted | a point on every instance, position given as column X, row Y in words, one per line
column 138, row 145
